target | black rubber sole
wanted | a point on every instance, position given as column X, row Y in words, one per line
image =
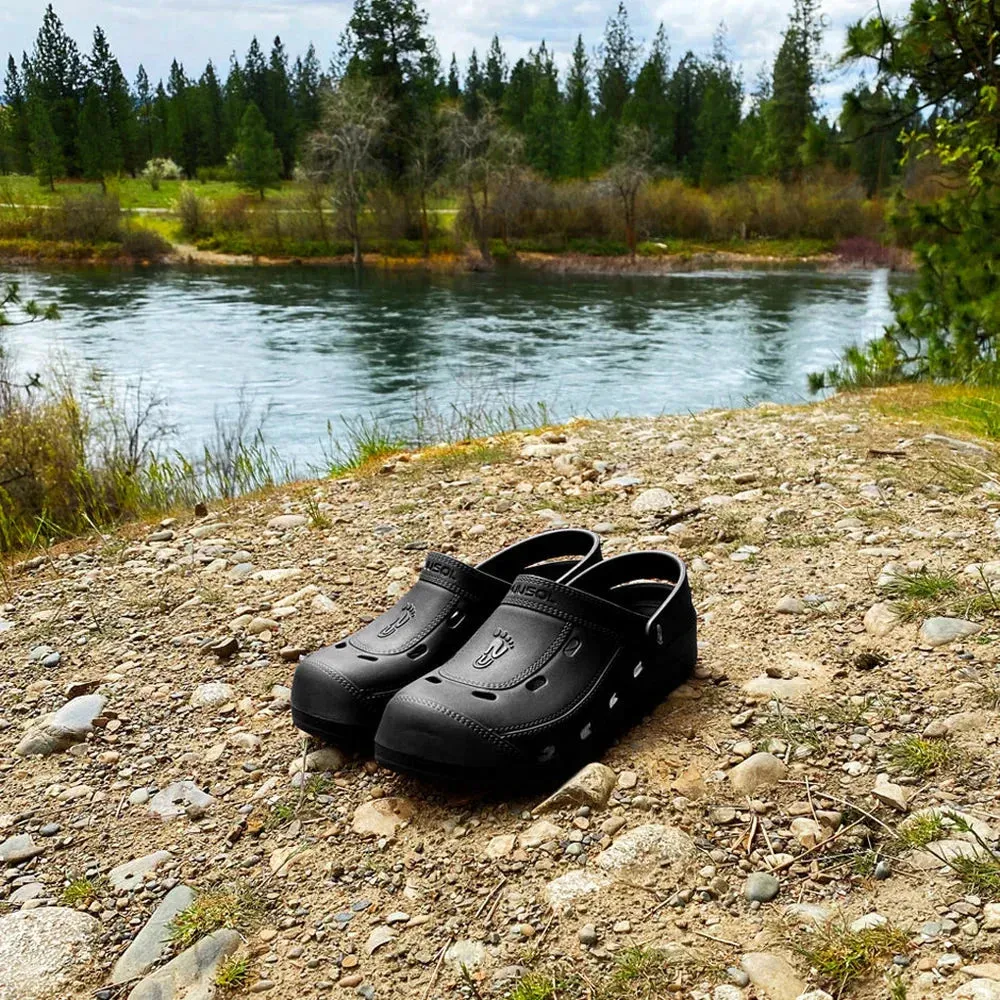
column 333, row 732
column 652, row 688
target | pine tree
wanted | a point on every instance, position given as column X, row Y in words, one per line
column 718, row 117
column 183, row 136
column 307, row 80
column 255, row 76
column 472, row 95
column 99, row 152
column 619, row 54
column 684, row 94
column 520, row 92
column 106, row 74
column 161, row 116
column 648, row 107
column 257, row 159
column 391, row 49
column 143, row 117
column 56, row 79
column 234, row 103
column 581, row 155
column 211, row 117
column 796, row 73
column 748, row 149
column 46, row 149
column 545, row 122
column 454, row 87
column 280, row 110
column 495, row 73
column 18, row 127
column 874, row 121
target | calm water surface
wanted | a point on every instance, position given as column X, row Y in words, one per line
column 316, row 346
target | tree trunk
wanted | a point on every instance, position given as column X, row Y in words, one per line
column 355, row 238
column 424, row 227
column 630, row 234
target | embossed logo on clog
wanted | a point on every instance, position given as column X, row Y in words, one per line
column 404, row 617
column 502, row 643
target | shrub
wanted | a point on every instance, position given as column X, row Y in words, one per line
column 161, row 168
column 193, row 214
column 207, row 175
column 143, row 244
column 232, row 215
column 90, row 218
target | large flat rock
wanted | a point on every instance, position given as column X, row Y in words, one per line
column 59, row 731
column 151, row 943
column 41, row 951
column 191, row 975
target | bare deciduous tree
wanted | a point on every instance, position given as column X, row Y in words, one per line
column 482, row 152
column 627, row 175
column 340, row 154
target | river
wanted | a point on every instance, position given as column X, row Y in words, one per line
column 317, row 347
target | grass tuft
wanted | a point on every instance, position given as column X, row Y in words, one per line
column 922, row 586
column 841, row 957
column 918, row 756
column 539, row 986
column 980, row 874
column 233, row 973
column 919, row 831
column 80, row 890
column 236, row 908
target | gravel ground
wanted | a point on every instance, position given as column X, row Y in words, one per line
column 818, row 807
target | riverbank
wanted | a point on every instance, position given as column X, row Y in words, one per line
column 844, row 700
column 680, row 256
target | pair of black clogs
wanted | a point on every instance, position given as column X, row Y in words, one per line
column 526, row 665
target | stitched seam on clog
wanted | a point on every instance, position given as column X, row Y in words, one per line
column 478, row 728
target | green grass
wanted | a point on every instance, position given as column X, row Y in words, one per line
column 919, row 595
column 641, row 972
column 80, row 890
column 133, row 192
column 922, row 586
column 233, row 973
column 921, row 757
column 236, row 908
column 980, row 874
column 841, row 957
column 539, row 986
column 919, row 831
column 278, row 815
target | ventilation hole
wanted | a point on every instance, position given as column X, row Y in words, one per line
column 546, row 755
column 362, row 656
column 536, row 682
column 613, row 700
column 637, row 669
column 415, row 654
column 485, row 695
column 585, row 732
column 433, row 680
column 572, row 648
column 341, row 645
column 456, row 619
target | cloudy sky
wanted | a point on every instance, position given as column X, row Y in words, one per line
column 196, row 30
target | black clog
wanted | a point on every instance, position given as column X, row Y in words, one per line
column 339, row 692
column 550, row 678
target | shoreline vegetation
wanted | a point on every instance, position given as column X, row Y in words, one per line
column 569, row 227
